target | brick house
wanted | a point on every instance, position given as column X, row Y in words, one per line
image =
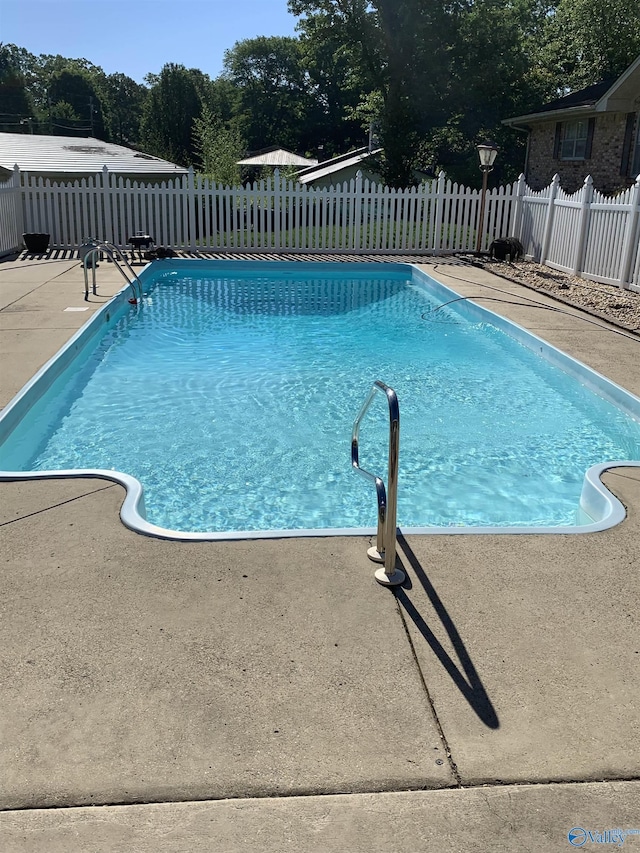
column 595, row 131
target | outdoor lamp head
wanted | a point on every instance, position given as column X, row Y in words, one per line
column 487, row 154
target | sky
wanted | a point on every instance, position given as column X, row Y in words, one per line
column 137, row 37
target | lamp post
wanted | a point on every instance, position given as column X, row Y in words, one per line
column 487, row 154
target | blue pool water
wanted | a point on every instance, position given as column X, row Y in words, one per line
column 231, row 394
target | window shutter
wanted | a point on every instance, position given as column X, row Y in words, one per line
column 625, row 163
column 589, row 145
column 556, row 141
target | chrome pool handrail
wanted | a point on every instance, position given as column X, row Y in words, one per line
column 110, row 250
column 385, row 550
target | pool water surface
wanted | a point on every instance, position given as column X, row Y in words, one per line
column 231, row 393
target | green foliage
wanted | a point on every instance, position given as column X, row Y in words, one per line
column 172, row 105
column 123, row 103
column 273, row 99
column 413, row 88
column 76, row 89
column 221, row 97
column 110, row 106
column 343, row 54
column 337, row 85
column 433, row 77
column 219, row 147
column 448, row 73
column 491, row 79
column 16, row 106
column 64, row 111
column 587, row 41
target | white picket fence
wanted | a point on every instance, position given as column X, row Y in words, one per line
column 585, row 233
column 274, row 214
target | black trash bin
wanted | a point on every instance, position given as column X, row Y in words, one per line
column 37, row 244
column 88, row 244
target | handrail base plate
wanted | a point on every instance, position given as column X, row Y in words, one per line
column 395, row 579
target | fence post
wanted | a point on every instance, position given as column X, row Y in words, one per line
column 190, row 219
column 357, row 210
column 548, row 225
column 107, row 205
column 437, row 231
column 17, row 183
column 585, row 208
column 27, row 203
column 516, row 227
column 277, row 208
column 629, row 245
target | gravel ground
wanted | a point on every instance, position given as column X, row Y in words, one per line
column 620, row 306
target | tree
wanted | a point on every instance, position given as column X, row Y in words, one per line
column 340, row 54
column 170, row 109
column 40, row 71
column 491, row 77
column 273, row 97
column 589, row 41
column 439, row 76
column 418, row 37
column 123, row 102
column 16, row 106
column 352, row 28
column 221, row 96
column 398, row 53
column 76, row 89
column 219, row 148
column 435, row 77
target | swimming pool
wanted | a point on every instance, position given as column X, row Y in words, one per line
column 230, row 396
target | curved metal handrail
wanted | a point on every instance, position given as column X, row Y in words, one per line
column 110, row 250
column 385, row 550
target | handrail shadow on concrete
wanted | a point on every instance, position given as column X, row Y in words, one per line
column 465, row 676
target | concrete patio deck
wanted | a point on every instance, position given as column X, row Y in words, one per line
column 271, row 696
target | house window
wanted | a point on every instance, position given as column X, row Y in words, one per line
column 635, row 167
column 630, row 163
column 573, row 143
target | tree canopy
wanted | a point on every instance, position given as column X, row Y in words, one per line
column 429, row 79
column 273, row 100
column 16, row 106
column 172, row 105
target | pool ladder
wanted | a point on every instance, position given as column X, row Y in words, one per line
column 115, row 255
column 385, row 550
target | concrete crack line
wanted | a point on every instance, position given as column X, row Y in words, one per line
column 452, row 765
column 507, row 821
column 55, row 506
column 44, row 283
column 615, row 473
column 280, row 795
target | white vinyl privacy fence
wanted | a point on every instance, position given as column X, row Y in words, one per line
column 10, row 214
column 585, row 233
